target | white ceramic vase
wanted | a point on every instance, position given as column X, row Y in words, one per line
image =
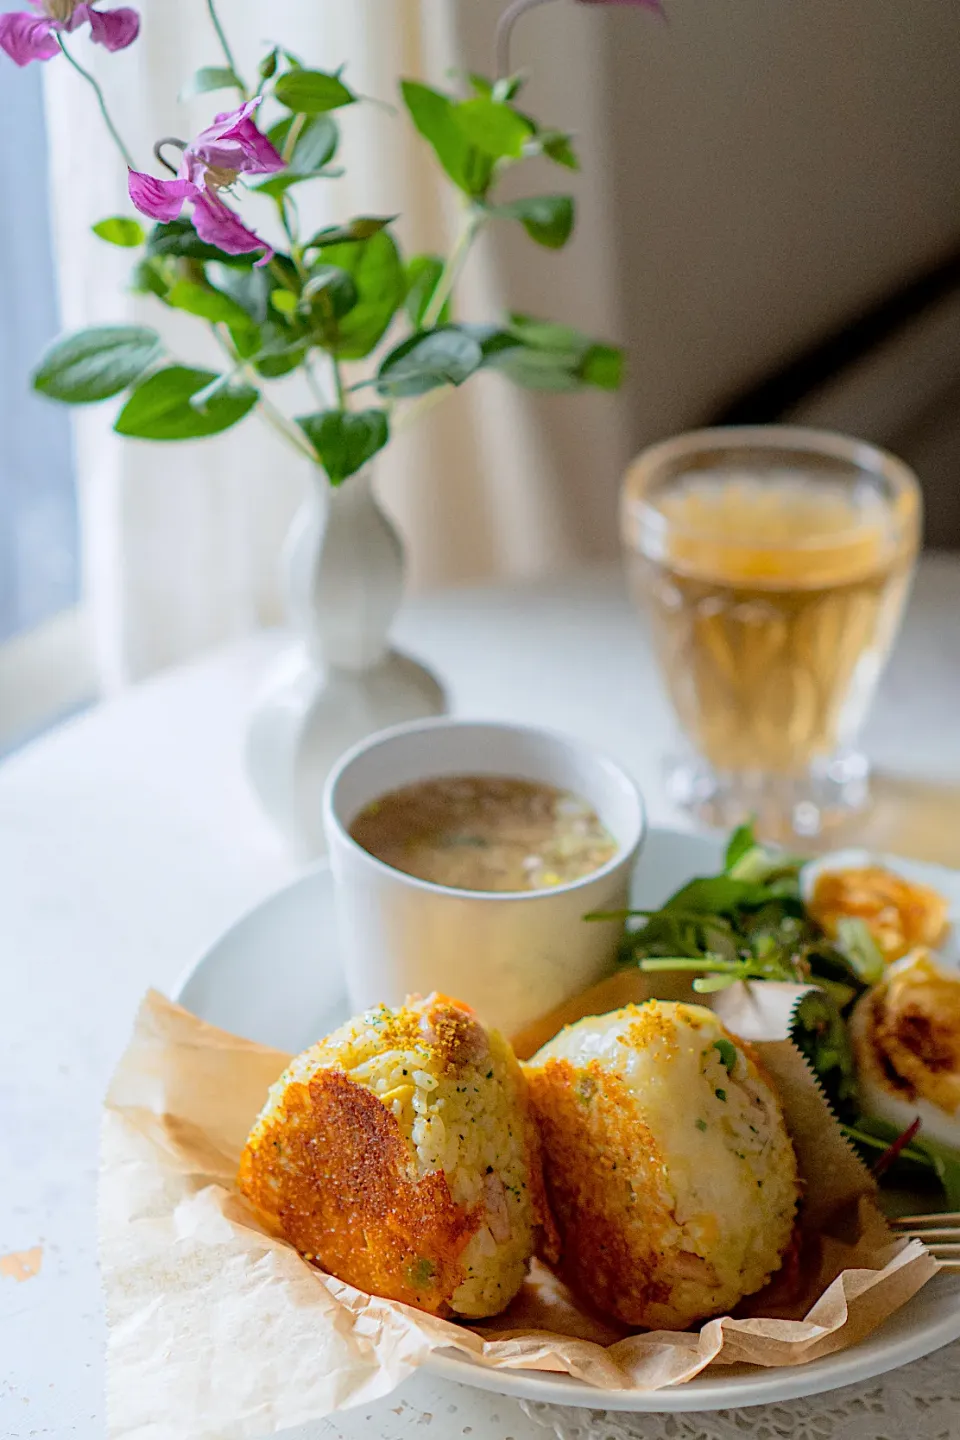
column 343, row 569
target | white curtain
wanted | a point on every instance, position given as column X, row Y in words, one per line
column 181, row 542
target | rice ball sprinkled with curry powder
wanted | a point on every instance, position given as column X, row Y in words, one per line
column 400, row 1155
column 668, row 1167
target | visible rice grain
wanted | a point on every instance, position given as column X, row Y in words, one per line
column 466, row 1117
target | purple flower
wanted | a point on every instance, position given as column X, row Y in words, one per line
column 26, row 36
column 230, row 147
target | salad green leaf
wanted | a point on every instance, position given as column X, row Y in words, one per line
column 747, row 923
column 922, row 1157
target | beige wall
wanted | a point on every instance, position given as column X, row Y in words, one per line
column 776, row 163
column 755, row 170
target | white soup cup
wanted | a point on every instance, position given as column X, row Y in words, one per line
column 512, row 956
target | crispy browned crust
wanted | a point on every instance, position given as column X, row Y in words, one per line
column 609, row 1222
column 332, row 1172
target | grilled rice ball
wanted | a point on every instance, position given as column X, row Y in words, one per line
column 669, row 1170
column 400, row 1155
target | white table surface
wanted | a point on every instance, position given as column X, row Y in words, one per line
column 129, row 840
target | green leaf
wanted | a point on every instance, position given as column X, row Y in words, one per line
column 494, row 129
column 285, row 301
column 873, row 1135
column 535, row 369
column 480, row 84
column 741, row 840
column 160, row 408
column 119, row 230
column 856, row 944
column 210, row 77
column 548, row 335
column 946, row 1163
column 717, row 895
column 286, row 358
column 545, row 356
column 602, row 367
column 330, row 289
column 313, row 150
column 249, row 288
column 179, row 239
column 316, row 145
column 345, row 440
column 436, row 117
column 153, row 277
column 246, row 338
column 376, row 269
column 534, row 354
column 207, row 304
column 362, row 228
column 279, row 184
column 820, row 1034
column 507, row 88
column 558, row 148
column 445, row 356
column 94, row 364
column 312, row 92
column 268, row 65
column 493, row 340
column 423, row 273
column 548, row 219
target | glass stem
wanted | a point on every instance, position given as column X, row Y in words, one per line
column 101, row 101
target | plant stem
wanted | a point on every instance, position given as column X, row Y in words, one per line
column 281, row 276
column 285, row 222
column 451, row 271
column 286, row 428
column 293, row 135
column 338, row 383
column 316, row 389
column 709, row 964
column 275, row 418
column 501, row 39
column 225, row 47
column 101, row 101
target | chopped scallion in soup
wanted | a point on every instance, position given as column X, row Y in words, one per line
column 485, row 832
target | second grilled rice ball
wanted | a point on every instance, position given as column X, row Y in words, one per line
column 401, row 1156
column 669, row 1169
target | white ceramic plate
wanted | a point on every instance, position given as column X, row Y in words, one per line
column 274, row 977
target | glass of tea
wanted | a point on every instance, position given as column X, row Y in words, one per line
column 773, row 563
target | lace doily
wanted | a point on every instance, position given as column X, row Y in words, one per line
column 919, row 1402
